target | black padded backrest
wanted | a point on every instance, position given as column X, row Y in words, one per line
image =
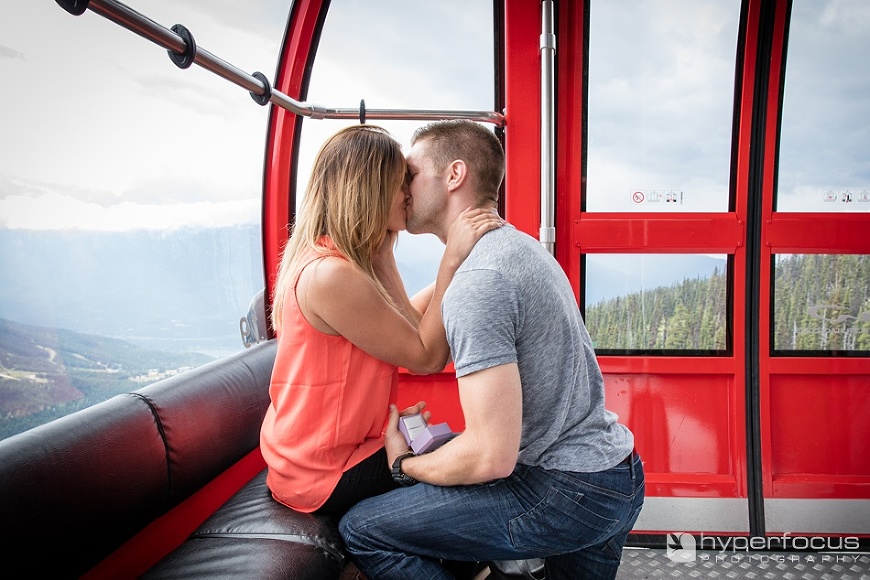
column 73, row 490
column 211, row 415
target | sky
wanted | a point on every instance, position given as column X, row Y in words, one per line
column 101, row 131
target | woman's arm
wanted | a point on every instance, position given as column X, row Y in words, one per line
column 337, row 298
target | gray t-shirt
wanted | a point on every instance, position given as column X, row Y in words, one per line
column 510, row 302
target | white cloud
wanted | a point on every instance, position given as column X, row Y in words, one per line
column 59, row 212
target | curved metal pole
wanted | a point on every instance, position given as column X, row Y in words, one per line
column 548, row 168
column 133, row 21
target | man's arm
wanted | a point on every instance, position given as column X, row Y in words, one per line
column 488, row 448
column 421, row 300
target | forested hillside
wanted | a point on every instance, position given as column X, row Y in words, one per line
column 822, row 302
column 47, row 373
column 690, row 315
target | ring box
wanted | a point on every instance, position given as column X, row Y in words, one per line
column 422, row 437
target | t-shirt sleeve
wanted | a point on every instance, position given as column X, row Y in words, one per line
column 482, row 314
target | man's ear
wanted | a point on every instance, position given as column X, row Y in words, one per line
column 458, row 173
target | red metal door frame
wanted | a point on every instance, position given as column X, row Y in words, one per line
column 291, row 78
column 646, row 391
column 630, row 378
column 815, row 414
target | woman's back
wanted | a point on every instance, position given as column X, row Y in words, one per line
column 329, row 404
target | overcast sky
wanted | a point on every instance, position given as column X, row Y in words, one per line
column 101, row 131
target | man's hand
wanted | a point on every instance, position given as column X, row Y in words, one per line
column 394, row 442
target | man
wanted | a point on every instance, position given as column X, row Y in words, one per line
column 542, row 470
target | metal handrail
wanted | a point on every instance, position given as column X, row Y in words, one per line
column 548, row 167
column 256, row 83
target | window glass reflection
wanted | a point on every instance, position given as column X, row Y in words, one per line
column 130, row 242
column 822, row 303
column 825, row 132
column 661, row 90
column 657, row 302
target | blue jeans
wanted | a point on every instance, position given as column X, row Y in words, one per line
column 578, row 522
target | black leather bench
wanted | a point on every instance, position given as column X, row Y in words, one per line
column 253, row 536
column 74, row 491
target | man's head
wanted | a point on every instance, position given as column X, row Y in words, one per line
column 452, row 165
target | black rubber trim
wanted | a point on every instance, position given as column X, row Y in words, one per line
column 74, row 7
column 183, row 59
column 264, row 98
column 754, row 217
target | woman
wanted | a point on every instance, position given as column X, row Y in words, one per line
column 345, row 323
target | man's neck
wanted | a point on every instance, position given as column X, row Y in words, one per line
column 453, row 212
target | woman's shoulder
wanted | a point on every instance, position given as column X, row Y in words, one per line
column 333, row 274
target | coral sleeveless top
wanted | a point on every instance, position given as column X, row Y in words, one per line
column 328, row 408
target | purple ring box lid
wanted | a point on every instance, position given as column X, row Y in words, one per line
column 431, row 438
column 411, row 426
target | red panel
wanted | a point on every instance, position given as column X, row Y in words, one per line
column 685, row 430
column 650, row 233
column 821, row 366
column 820, row 426
column 666, row 365
column 802, row 233
column 441, row 393
column 522, row 120
column 569, row 136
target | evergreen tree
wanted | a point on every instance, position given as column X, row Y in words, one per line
column 820, row 303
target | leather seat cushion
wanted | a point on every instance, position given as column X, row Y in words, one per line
column 254, row 536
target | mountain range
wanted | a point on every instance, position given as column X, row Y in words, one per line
column 48, row 372
column 180, row 290
column 85, row 315
column 186, row 289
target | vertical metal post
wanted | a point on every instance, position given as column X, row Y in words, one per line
column 548, row 169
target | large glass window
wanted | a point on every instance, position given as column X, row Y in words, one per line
column 404, row 65
column 130, row 201
column 661, row 91
column 821, row 304
column 825, row 136
column 657, row 303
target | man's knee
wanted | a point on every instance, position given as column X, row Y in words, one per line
column 347, row 527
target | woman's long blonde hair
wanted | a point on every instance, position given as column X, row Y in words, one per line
column 356, row 175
